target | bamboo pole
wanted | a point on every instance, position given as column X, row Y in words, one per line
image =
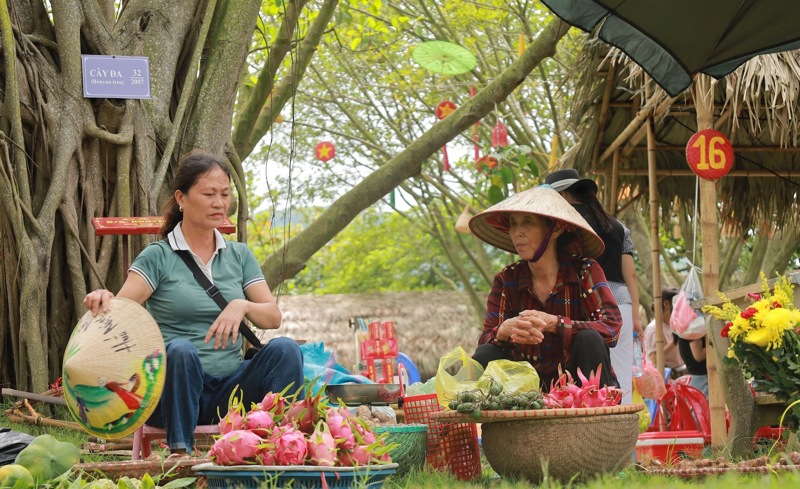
column 601, row 123
column 654, row 246
column 41, row 420
column 615, row 188
column 704, row 99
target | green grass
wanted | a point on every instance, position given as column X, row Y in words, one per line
column 430, row 479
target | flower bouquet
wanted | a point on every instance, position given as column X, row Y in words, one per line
column 765, row 341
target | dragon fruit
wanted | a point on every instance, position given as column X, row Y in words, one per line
column 259, row 422
column 233, row 419
column 565, row 393
column 266, row 454
column 291, row 446
column 341, row 430
column 357, row 456
column 305, row 413
column 272, row 403
column 322, row 446
column 237, row 447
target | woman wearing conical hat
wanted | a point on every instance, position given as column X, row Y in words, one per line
column 553, row 307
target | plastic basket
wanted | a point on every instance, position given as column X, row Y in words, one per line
column 297, row 477
column 451, row 446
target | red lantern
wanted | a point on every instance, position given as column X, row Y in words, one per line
column 499, row 135
column 324, row 151
column 445, row 108
column 709, row 154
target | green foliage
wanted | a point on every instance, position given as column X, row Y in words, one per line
column 376, row 252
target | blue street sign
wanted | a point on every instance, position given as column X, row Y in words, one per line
column 116, row 76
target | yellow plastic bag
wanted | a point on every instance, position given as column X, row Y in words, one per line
column 513, row 376
column 644, row 414
column 457, row 372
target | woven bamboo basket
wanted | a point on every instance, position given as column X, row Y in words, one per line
column 562, row 444
column 411, row 445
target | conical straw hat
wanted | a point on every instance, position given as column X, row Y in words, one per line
column 114, row 369
column 543, row 201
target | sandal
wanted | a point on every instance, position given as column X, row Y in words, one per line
column 179, row 456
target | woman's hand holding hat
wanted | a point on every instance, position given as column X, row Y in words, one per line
column 98, row 301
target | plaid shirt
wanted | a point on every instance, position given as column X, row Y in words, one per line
column 581, row 299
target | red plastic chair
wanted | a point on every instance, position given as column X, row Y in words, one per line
column 683, row 408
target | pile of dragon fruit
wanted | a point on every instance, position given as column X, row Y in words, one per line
column 283, row 430
column 565, row 393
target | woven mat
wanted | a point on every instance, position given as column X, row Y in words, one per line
column 449, row 416
column 137, row 468
column 691, row 473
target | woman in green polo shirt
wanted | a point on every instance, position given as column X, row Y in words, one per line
column 204, row 349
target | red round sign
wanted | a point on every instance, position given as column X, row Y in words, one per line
column 709, row 154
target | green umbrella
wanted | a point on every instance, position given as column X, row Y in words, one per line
column 673, row 39
column 444, row 57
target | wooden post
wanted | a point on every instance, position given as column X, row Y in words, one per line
column 655, row 244
column 704, row 102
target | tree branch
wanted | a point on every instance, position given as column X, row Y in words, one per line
column 248, row 115
column 291, row 81
column 289, row 260
column 11, row 105
column 124, row 138
column 186, row 94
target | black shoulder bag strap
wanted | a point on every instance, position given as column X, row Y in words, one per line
column 215, row 294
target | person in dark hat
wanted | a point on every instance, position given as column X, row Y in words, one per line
column 553, row 307
column 616, row 260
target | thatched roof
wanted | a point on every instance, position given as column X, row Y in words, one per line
column 756, row 107
column 428, row 324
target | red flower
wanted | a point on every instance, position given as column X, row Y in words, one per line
column 725, row 329
column 748, row 313
column 755, row 296
column 776, row 305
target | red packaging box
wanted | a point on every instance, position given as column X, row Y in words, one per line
column 379, row 348
column 374, row 329
column 387, row 330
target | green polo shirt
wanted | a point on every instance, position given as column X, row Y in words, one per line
column 181, row 306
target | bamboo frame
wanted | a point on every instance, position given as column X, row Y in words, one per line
column 704, row 99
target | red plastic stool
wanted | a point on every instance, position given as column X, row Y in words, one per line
column 146, row 434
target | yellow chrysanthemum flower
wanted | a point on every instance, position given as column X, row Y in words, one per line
column 731, row 353
column 781, row 318
column 781, row 298
column 764, row 338
column 739, row 326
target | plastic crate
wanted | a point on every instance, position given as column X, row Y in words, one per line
column 297, row 477
column 451, row 446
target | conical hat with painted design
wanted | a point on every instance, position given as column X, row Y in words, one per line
column 114, row 369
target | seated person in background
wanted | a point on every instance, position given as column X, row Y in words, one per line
column 204, row 348
column 693, row 352
column 617, row 262
column 553, row 307
column 672, row 357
